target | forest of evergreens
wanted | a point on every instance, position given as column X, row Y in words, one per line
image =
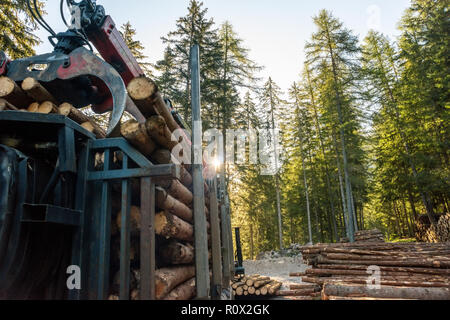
column 364, row 130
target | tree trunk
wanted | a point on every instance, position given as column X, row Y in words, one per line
column 66, row 109
column 5, row 105
column 177, row 253
column 12, row 93
column 166, row 202
column 185, row 291
column 160, row 133
column 169, row 278
column 170, row 226
column 348, row 290
column 163, row 156
column 136, row 134
column 36, row 91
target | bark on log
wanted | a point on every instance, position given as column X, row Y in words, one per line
column 66, row 109
column 364, row 273
column 180, row 192
column 392, row 263
column 349, row 290
column 409, row 270
column 136, row 134
column 11, row 92
column 274, row 288
column 177, row 253
column 171, row 205
column 36, row 91
column 295, row 293
column 185, row 291
column 260, row 283
column 169, row 278
column 98, row 132
column 163, row 156
column 170, row 226
column 135, row 220
column 5, row 105
column 237, row 285
column 393, row 282
column 297, row 274
column 160, row 133
column 304, row 286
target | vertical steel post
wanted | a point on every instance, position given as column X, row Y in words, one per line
column 148, row 247
column 79, row 235
column 105, row 233
column 227, row 251
column 125, row 237
column 215, row 242
column 201, row 238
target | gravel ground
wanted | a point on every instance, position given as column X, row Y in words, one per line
column 277, row 269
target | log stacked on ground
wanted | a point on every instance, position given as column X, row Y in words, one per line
column 369, row 236
column 439, row 232
column 406, row 271
column 366, row 236
column 255, row 285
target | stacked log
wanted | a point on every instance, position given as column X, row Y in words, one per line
column 439, row 232
column 255, row 286
column 174, row 220
column 366, row 236
column 402, row 271
column 426, row 232
column 443, row 228
column 32, row 96
column 369, row 236
column 152, row 136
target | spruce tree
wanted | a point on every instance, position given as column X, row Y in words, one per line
column 136, row 48
column 17, row 29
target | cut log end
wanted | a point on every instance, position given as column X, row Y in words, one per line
column 141, row 88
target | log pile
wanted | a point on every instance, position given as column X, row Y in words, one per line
column 403, row 271
column 369, row 236
column 255, row 286
column 174, row 220
column 425, row 232
column 152, row 136
column 32, row 96
column 366, row 236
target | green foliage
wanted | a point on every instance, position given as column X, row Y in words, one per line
column 136, row 48
column 16, row 29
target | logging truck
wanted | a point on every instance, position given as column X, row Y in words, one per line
column 95, row 212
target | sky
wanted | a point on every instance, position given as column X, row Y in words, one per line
column 275, row 31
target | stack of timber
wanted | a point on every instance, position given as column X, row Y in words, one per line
column 255, row 286
column 152, row 135
column 32, row 96
column 174, row 220
column 366, row 236
column 440, row 232
column 369, row 236
column 403, row 271
column 426, row 232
